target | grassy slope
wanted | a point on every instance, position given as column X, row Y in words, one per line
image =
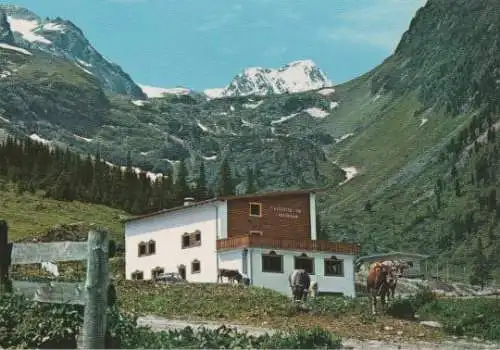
column 29, row 214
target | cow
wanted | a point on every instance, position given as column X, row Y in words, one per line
column 377, row 284
column 396, row 271
column 300, row 283
column 231, row 275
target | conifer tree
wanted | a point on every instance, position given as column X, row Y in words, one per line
column 226, row 186
column 201, row 191
column 481, row 271
column 250, row 186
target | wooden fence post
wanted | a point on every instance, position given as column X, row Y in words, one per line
column 96, row 290
column 5, row 258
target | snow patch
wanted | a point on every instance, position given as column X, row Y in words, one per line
column 139, row 103
column 316, row 112
column 247, row 123
column 173, row 162
column 5, row 74
column 333, row 105
column 53, row 27
column 4, row 119
column 214, row 93
column 283, row 119
column 376, row 97
column 343, row 137
column 85, row 70
column 351, row 172
column 210, row 157
column 326, row 92
column 202, row 127
column 158, row 92
column 82, row 138
column 37, row 138
column 83, row 63
column 27, row 29
column 231, row 108
column 15, row 48
column 252, row 105
column 152, row 176
column 423, row 121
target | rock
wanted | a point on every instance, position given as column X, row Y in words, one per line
column 433, row 324
column 388, row 328
column 399, row 333
column 421, row 335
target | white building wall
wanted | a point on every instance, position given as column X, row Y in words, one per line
column 223, row 216
column 167, row 230
column 312, row 212
column 231, row 259
column 279, row 282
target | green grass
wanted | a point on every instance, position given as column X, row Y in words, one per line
column 29, row 214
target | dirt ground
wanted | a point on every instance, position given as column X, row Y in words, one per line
column 159, row 324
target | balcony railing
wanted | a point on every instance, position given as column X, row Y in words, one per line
column 286, row 244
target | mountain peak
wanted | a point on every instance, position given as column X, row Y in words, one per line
column 296, row 76
column 62, row 38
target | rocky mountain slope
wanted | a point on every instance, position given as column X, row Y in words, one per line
column 62, row 38
column 56, row 101
column 423, row 127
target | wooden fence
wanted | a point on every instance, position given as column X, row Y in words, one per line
column 93, row 293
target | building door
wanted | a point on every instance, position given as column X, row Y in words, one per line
column 182, row 271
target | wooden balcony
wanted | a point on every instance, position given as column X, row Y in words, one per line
column 286, row 244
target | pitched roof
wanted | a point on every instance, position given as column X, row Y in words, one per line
column 225, row 198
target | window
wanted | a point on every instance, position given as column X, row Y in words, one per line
column 137, row 275
column 256, row 233
column 185, row 240
column 151, row 247
column 142, row 249
column 272, row 262
column 195, row 266
column 156, row 272
column 256, row 209
column 197, row 236
column 334, row 267
column 192, row 239
column 304, row 262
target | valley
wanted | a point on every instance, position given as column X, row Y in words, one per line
column 407, row 151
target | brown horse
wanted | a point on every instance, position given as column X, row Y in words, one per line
column 377, row 284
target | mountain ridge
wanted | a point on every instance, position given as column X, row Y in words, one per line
column 62, row 38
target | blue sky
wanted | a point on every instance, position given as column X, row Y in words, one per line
column 203, row 43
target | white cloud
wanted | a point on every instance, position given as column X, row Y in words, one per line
column 378, row 23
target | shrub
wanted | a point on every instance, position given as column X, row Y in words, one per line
column 478, row 317
column 407, row 307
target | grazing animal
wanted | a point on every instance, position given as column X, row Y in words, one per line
column 299, row 282
column 377, row 284
column 231, row 275
column 396, row 270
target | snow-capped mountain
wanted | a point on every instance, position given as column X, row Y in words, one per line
column 62, row 38
column 155, row 92
column 297, row 76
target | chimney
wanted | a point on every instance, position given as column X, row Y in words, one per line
column 188, row 201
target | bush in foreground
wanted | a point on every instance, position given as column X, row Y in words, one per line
column 26, row 324
column 474, row 317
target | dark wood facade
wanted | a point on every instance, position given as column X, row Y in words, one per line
column 279, row 217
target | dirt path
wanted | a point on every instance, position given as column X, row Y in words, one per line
column 159, row 324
